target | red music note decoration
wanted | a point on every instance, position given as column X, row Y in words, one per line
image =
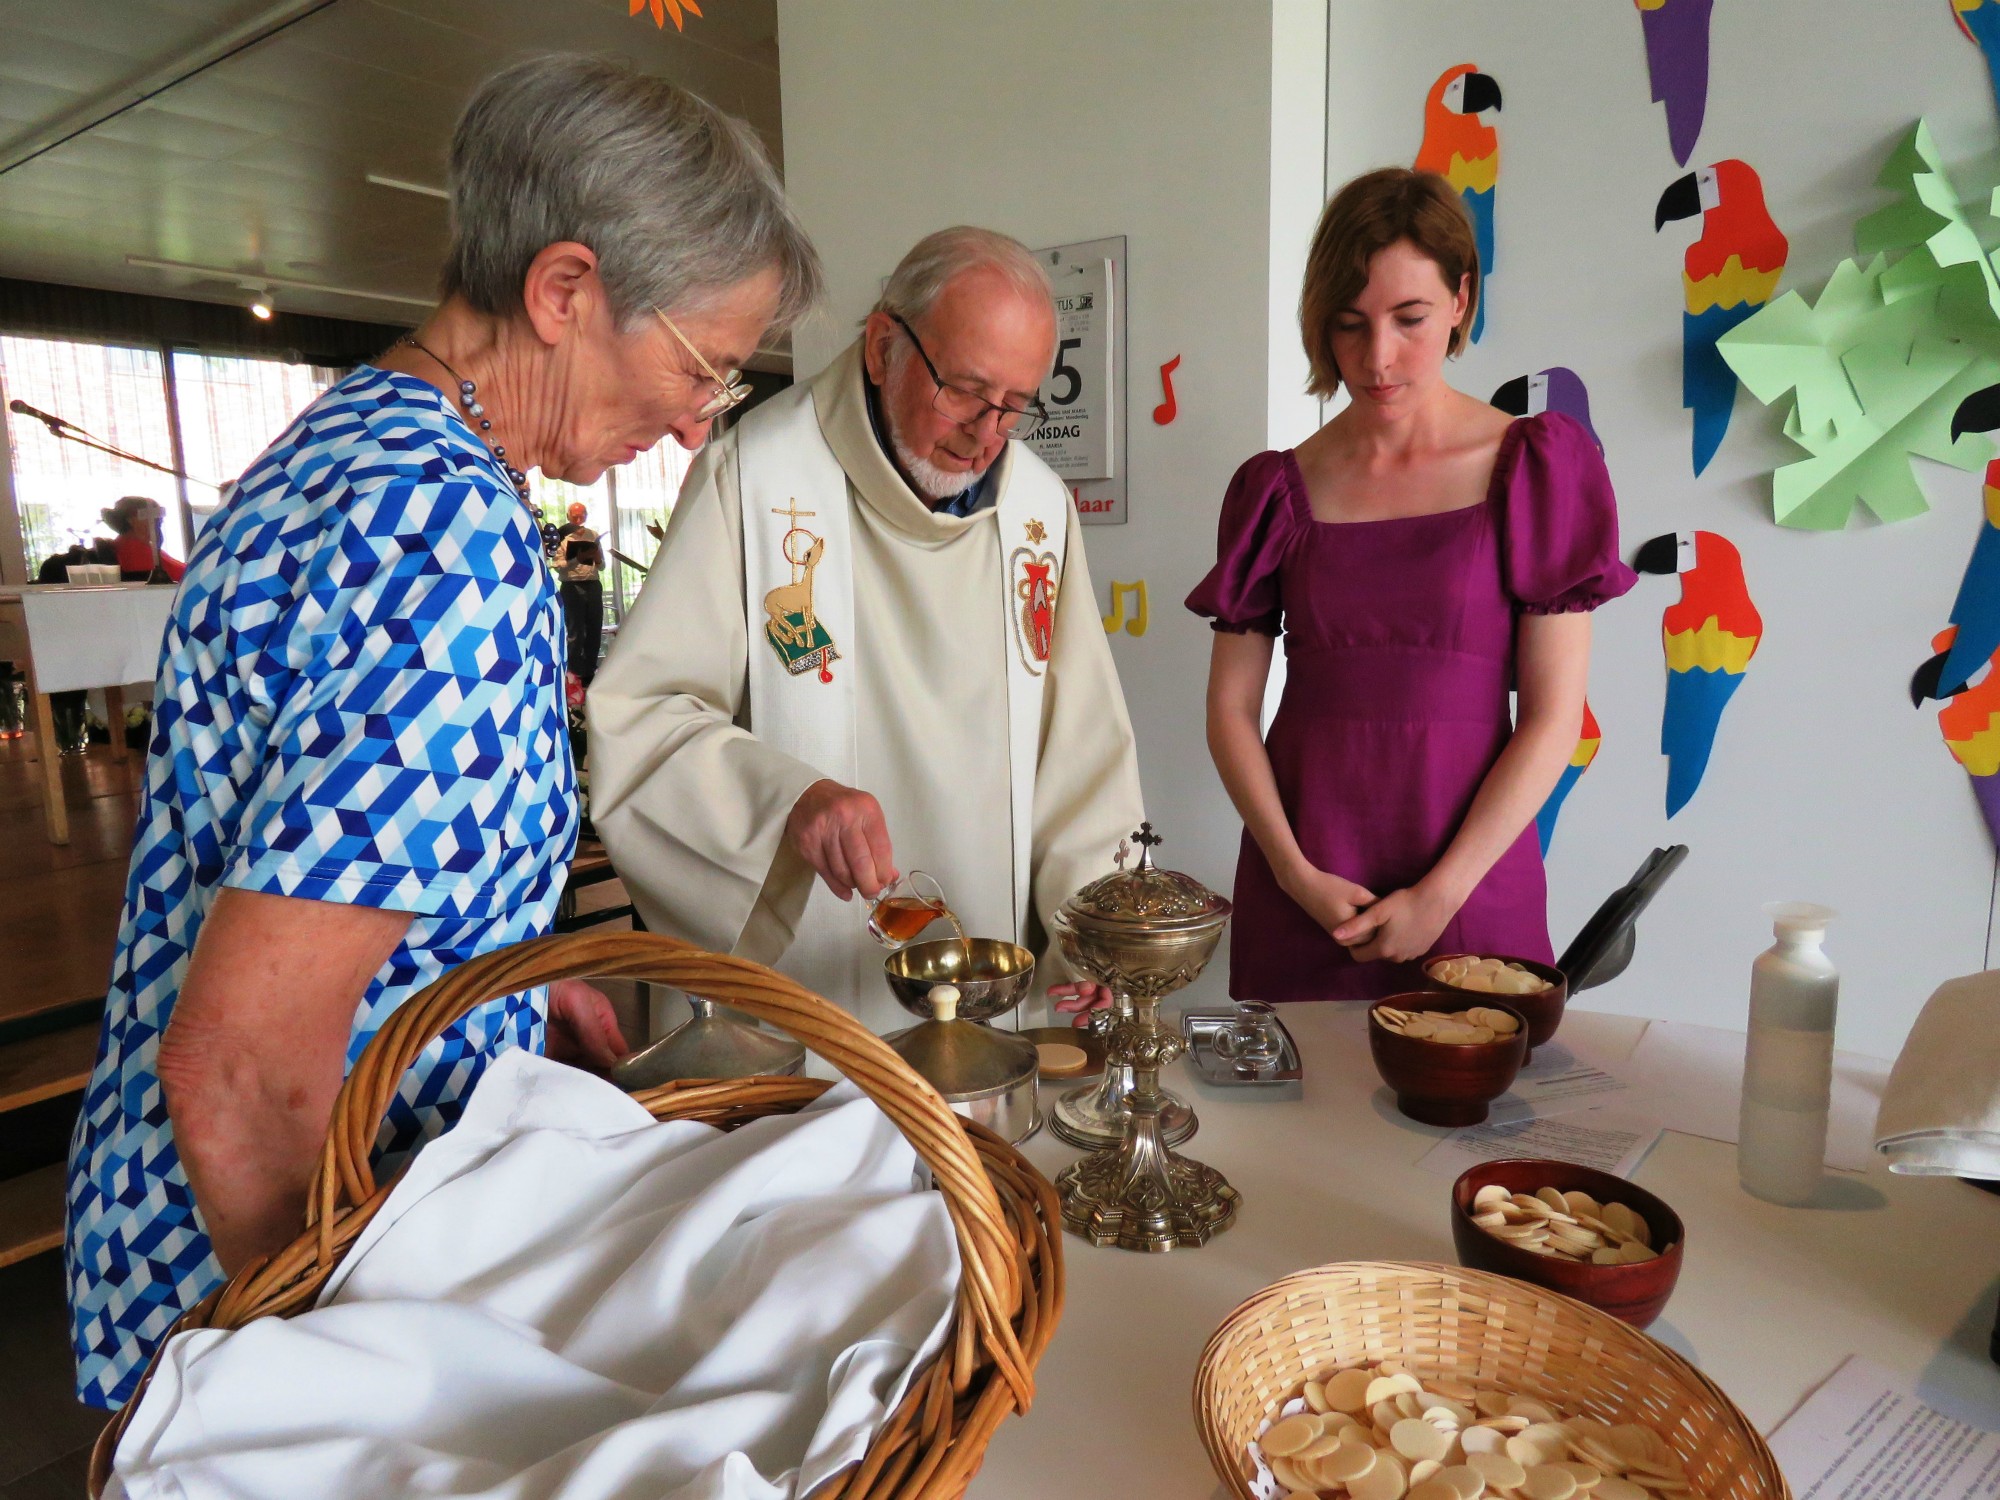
column 1170, row 408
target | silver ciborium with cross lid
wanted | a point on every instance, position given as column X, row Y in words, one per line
column 1145, row 933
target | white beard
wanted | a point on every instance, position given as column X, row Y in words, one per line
column 931, row 483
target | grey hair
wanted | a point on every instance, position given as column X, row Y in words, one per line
column 676, row 199
column 922, row 275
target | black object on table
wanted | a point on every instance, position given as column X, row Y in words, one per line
column 1603, row 947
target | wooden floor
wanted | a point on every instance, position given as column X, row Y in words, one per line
column 59, row 902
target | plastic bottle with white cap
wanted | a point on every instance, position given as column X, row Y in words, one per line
column 1788, row 1064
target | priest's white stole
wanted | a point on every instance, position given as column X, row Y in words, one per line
column 798, row 568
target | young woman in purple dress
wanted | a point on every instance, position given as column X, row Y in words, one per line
column 1422, row 554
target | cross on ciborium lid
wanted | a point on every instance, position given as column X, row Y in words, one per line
column 1145, row 897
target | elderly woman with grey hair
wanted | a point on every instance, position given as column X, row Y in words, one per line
column 360, row 774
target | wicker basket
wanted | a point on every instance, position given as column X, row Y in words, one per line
column 1441, row 1320
column 1003, row 1210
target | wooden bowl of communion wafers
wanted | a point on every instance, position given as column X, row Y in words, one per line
column 1543, row 1008
column 1449, row 1081
column 1606, row 1214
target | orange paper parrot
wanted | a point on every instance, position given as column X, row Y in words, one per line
column 1579, row 762
column 1464, row 150
column 1727, row 274
column 1710, row 634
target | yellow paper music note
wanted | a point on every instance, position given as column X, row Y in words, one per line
column 1136, row 624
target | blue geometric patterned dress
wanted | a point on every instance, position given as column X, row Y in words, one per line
column 359, row 700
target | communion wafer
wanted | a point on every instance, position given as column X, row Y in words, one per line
column 1614, row 1235
column 1492, row 976
column 1060, row 1059
column 1509, row 1445
column 1463, row 1028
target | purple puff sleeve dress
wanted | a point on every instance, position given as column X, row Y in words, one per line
column 1399, row 658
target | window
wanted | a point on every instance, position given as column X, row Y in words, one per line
column 112, row 392
column 618, row 508
column 227, row 411
column 231, row 410
column 646, row 489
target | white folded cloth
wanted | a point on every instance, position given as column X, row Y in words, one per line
column 1941, row 1111
column 563, row 1298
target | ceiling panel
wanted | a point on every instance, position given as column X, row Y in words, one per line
column 258, row 163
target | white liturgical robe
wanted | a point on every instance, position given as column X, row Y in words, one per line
column 692, row 803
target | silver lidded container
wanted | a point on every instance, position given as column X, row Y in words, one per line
column 1145, row 932
column 710, row 1045
column 985, row 1075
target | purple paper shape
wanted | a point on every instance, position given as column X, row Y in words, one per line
column 1677, row 64
column 1987, row 790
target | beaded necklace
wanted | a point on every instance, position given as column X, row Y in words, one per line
column 468, row 398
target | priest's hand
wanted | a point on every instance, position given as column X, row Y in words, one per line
column 1327, row 898
column 1403, row 925
column 1081, row 1000
column 840, row 832
column 583, row 1028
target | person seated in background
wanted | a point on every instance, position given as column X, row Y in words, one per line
column 578, row 559
column 871, row 615
column 360, row 775
column 136, row 524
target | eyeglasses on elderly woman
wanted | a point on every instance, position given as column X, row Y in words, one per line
column 730, row 391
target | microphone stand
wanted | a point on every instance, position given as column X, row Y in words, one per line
column 69, row 432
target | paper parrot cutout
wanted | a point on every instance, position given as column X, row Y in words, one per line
column 1727, row 274
column 1464, row 150
column 1975, row 613
column 1970, row 717
column 1579, row 762
column 1677, row 65
column 1710, row 634
column 1554, row 389
column 1970, row 724
column 1980, row 20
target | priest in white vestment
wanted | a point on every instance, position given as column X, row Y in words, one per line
column 869, row 644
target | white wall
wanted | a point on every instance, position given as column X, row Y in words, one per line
column 1196, row 130
column 1058, row 121
column 1825, row 784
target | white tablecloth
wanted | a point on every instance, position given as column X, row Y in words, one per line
column 93, row 636
column 1770, row 1299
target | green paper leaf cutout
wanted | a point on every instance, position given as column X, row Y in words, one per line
column 1873, row 371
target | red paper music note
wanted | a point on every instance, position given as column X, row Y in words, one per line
column 1170, row 408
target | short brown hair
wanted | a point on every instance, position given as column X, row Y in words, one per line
column 1367, row 216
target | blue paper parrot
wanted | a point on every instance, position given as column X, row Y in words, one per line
column 1980, row 20
column 1726, row 275
column 1557, row 388
column 1975, row 613
column 1710, row 633
column 1464, row 150
column 1585, row 751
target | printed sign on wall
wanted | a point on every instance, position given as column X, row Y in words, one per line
column 1076, row 442
column 1084, row 441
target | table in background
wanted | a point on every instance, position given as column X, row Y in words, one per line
column 68, row 638
column 1769, row 1301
